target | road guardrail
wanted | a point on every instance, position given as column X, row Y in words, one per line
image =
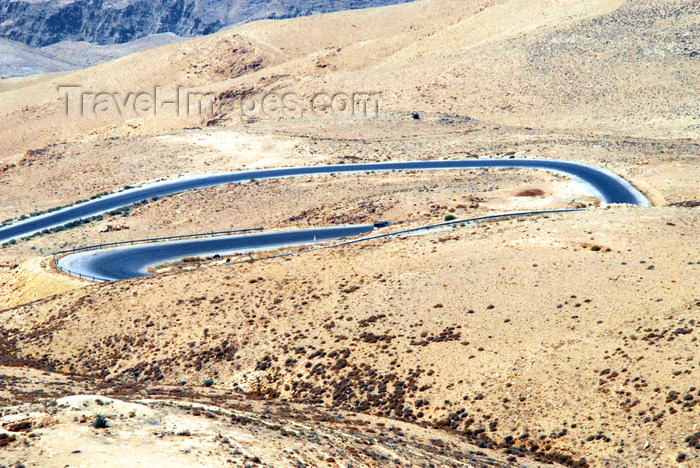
column 147, row 240
column 155, row 239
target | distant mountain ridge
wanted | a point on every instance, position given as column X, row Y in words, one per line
column 17, row 59
column 39, row 23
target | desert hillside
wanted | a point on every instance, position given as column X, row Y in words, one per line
column 590, row 67
column 566, row 339
column 539, row 361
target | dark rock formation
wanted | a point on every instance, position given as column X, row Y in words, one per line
column 38, row 23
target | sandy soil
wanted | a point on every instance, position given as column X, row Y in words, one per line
column 567, row 66
column 34, row 279
column 569, row 338
column 185, row 426
column 601, row 368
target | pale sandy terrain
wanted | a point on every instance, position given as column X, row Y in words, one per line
column 665, row 170
column 595, row 67
column 182, row 426
column 569, row 339
column 32, row 280
column 533, row 350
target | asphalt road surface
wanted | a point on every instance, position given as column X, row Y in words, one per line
column 608, row 187
column 133, row 261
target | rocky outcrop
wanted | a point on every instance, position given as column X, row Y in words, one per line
column 38, row 23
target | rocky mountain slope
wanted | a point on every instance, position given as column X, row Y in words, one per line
column 17, row 59
column 570, row 339
column 45, row 22
column 179, row 426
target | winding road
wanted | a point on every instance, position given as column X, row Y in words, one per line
column 132, row 261
column 126, row 262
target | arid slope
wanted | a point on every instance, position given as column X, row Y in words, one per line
column 569, row 338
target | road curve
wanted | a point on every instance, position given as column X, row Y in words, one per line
column 117, row 263
column 608, row 187
column 132, row 261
